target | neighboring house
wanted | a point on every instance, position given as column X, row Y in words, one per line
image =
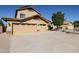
column 67, row 26
column 2, row 26
column 27, row 20
column 76, row 25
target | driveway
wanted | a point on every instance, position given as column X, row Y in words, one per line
column 46, row 42
column 5, row 43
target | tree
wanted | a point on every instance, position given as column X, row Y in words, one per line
column 58, row 18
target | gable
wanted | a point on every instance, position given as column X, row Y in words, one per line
column 27, row 12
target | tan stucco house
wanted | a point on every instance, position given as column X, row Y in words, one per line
column 67, row 26
column 27, row 20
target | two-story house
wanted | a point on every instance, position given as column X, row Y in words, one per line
column 27, row 20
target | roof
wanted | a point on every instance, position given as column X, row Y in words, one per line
column 24, row 8
column 10, row 19
column 26, row 19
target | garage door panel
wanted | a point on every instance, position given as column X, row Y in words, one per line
column 23, row 29
column 42, row 29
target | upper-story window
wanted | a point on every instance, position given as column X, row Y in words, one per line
column 22, row 15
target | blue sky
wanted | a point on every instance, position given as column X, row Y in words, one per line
column 71, row 11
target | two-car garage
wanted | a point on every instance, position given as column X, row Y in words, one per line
column 22, row 29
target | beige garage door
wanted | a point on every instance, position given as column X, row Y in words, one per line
column 23, row 29
column 42, row 28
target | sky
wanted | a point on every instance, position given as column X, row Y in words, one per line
column 71, row 12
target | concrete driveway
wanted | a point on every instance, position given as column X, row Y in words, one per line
column 5, row 43
column 46, row 42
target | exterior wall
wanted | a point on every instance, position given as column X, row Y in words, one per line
column 38, row 21
column 35, row 21
column 71, row 27
column 41, row 21
column 64, row 27
column 43, row 28
column 67, row 27
column 9, row 26
column 27, row 12
column 1, row 29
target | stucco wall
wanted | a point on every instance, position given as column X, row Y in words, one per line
column 67, row 27
column 27, row 12
column 39, row 21
column 1, row 29
column 36, row 21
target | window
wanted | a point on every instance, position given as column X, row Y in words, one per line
column 22, row 15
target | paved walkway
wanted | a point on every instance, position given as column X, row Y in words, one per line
column 46, row 42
